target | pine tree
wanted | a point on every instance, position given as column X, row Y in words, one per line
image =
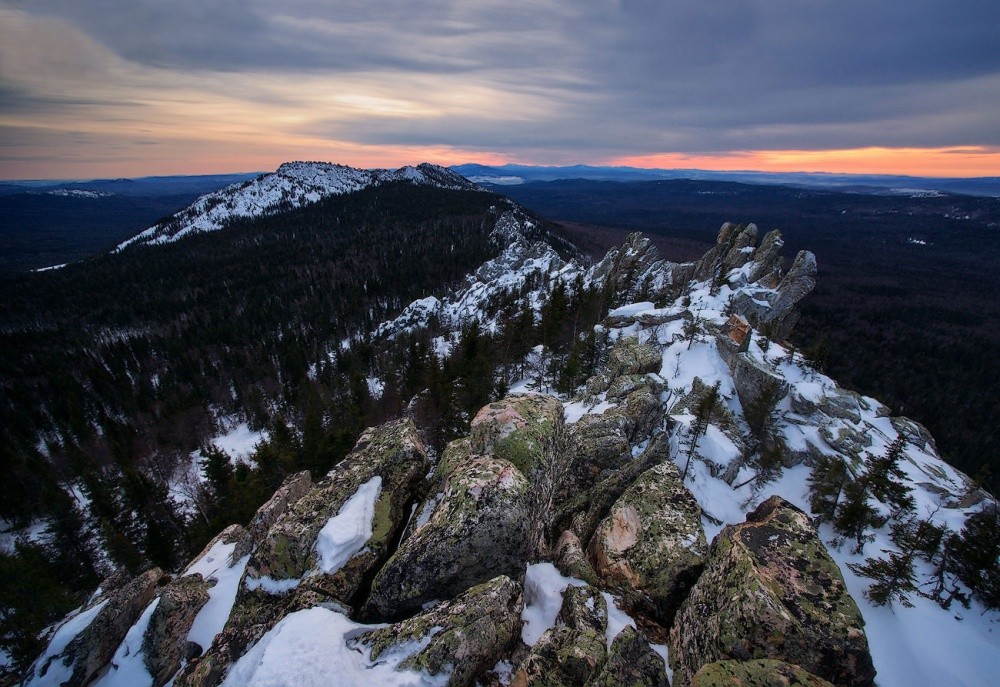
column 886, row 479
column 702, row 414
column 974, row 555
column 826, row 484
column 855, row 516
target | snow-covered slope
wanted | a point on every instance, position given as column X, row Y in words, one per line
column 293, row 185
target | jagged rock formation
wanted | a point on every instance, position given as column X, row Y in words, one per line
column 568, row 517
column 770, row 590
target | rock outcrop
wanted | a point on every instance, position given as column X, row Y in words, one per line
column 477, row 530
column 652, row 542
column 395, row 457
column 631, row 661
column 759, row 673
column 165, row 643
column 464, row 636
column 85, row 651
column 572, row 652
column 770, row 590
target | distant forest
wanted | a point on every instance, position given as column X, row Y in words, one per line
column 905, row 307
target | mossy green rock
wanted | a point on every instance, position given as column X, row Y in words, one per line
column 478, row 529
column 393, row 452
column 467, row 635
column 516, row 428
column 770, row 590
column 652, row 541
column 632, row 663
column 760, row 673
column 629, row 357
column 597, row 443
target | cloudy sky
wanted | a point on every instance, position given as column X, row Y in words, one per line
column 110, row 88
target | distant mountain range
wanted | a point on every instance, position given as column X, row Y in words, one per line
column 507, row 175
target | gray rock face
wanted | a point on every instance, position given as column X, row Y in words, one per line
column 598, row 443
column 467, row 634
column 631, row 662
column 652, row 542
column 392, row 452
column 94, row 647
column 164, row 644
column 755, row 384
column 637, row 262
column 770, row 590
column 571, row 560
column 476, row 531
column 768, row 258
column 800, row 280
column 629, row 357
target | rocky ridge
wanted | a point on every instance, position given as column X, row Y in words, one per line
column 292, row 185
column 565, row 542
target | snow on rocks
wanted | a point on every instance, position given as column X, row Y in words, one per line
column 293, row 185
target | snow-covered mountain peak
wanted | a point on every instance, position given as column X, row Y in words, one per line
column 292, row 185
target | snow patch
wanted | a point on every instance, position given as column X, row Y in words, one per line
column 543, row 589
column 349, row 530
column 317, row 648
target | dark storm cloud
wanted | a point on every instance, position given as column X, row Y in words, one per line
column 628, row 75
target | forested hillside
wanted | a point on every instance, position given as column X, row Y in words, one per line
column 116, row 369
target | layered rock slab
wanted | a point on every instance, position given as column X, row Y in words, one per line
column 759, row 673
column 770, row 590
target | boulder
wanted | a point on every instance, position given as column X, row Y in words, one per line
column 77, row 661
column 387, row 464
column 597, row 443
column 652, row 542
column 464, row 637
column 631, row 661
column 756, row 385
column 516, row 429
column 477, row 530
column 629, row 357
column 571, row 652
column 589, row 508
column 165, row 645
column 770, row 590
column 760, row 673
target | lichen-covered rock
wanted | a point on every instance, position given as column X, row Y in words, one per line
column 589, row 508
column 759, row 673
column 234, row 534
column 571, row 652
column 770, row 590
column 642, row 411
column 293, row 488
column 465, row 636
column 622, row 386
column 477, row 530
column 516, row 428
column 652, row 541
column 597, row 443
column 164, row 645
column 629, row 357
column 94, row 646
column 395, row 454
column 631, row 661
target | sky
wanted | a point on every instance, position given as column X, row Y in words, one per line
column 104, row 88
